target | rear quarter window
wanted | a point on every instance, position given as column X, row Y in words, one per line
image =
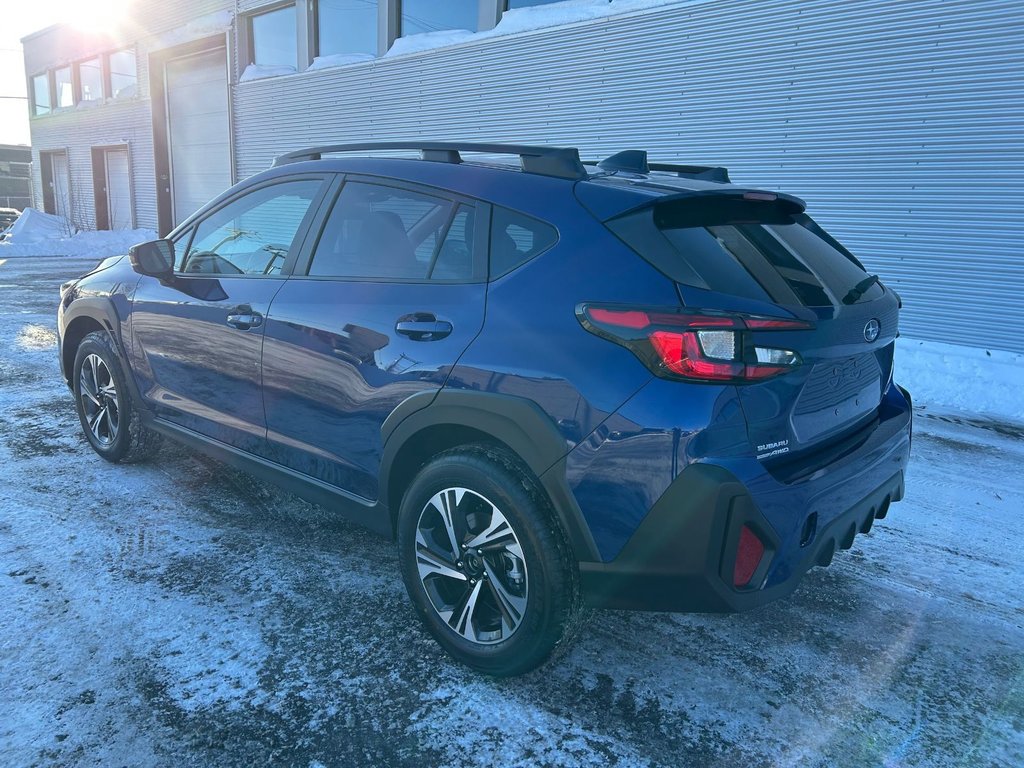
column 516, row 238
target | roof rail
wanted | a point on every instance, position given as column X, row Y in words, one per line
column 707, row 172
column 559, row 162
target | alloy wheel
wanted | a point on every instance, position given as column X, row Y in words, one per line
column 471, row 565
column 100, row 403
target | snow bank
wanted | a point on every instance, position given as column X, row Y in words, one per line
column 339, row 60
column 568, row 12
column 948, row 377
column 42, row 234
column 260, row 71
column 32, row 226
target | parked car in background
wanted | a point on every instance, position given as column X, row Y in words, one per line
column 557, row 385
column 7, row 217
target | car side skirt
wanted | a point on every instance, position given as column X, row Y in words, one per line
column 369, row 514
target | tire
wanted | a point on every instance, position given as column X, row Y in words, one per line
column 109, row 418
column 512, row 595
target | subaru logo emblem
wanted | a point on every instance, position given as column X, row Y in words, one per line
column 871, row 330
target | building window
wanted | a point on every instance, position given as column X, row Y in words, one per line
column 41, row 94
column 274, row 42
column 90, row 79
column 346, row 26
column 123, row 74
column 430, row 16
column 63, row 88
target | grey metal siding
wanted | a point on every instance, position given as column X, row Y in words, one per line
column 899, row 122
column 81, row 129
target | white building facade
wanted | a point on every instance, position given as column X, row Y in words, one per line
column 899, row 121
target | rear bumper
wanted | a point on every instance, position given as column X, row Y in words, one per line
column 681, row 557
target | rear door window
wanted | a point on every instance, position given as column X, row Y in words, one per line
column 381, row 232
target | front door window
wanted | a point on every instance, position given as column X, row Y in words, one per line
column 251, row 235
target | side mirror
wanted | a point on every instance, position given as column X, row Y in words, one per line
column 155, row 258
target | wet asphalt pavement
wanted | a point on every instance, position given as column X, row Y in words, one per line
column 181, row 613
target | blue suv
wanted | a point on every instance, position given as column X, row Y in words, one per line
column 556, row 384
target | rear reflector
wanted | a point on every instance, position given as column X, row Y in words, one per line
column 749, row 552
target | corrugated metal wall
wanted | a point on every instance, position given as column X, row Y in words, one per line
column 900, row 123
column 77, row 131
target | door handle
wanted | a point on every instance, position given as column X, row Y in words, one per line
column 243, row 318
column 423, row 327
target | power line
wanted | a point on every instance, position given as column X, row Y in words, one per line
column 23, row 98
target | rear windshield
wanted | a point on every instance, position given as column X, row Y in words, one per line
column 784, row 263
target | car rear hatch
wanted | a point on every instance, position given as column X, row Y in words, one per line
column 757, row 254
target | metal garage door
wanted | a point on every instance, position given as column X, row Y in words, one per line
column 119, row 191
column 197, row 128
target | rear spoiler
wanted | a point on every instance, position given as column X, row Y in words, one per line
column 706, row 207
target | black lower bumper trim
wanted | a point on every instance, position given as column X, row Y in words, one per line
column 680, row 557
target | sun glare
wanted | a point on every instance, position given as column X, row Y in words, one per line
column 92, row 15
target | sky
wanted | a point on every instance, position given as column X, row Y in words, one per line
column 24, row 18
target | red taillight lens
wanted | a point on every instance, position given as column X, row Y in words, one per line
column 681, row 354
column 749, row 552
column 693, row 344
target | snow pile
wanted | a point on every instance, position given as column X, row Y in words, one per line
column 42, row 234
column 966, row 379
column 33, row 226
column 260, row 71
column 339, row 60
column 568, row 12
column 204, row 26
column 427, row 40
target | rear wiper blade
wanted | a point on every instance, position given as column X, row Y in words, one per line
column 859, row 289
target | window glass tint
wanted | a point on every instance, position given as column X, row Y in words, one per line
column 834, row 269
column 122, row 74
column 41, row 94
column 274, row 38
column 62, row 85
column 431, row 16
column 787, row 263
column 375, row 231
column 253, row 234
column 455, row 258
column 713, row 256
column 516, row 238
column 347, row 26
column 801, row 280
column 90, row 78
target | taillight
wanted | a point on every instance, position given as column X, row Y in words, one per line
column 698, row 345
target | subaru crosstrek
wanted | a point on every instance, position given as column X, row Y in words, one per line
column 556, row 384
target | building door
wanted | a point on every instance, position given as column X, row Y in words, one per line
column 119, row 190
column 198, row 138
column 56, row 183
